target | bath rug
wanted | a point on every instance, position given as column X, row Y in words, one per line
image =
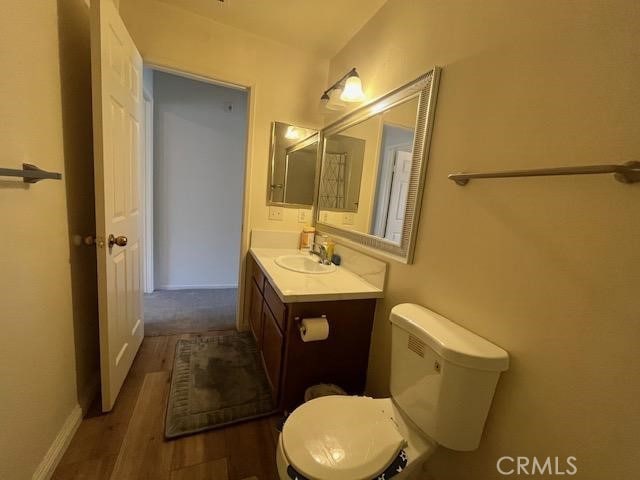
column 216, row 381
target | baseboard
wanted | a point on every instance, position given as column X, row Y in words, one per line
column 89, row 392
column 59, row 446
column 197, row 287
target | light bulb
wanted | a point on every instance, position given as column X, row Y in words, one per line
column 292, row 133
column 352, row 90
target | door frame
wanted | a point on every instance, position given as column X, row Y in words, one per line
column 147, row 194
column 250, row 88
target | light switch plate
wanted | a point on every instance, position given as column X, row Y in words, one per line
column 275, row 213
column 303, row 215
column 348, row 219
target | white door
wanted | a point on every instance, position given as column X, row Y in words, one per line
column 117, row 116
column 398, row 196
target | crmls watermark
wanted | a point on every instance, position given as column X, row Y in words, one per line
column 536, row 466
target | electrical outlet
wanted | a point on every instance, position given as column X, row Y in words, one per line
column 348, row 219
column 303, row 215
column 275, row 213
column 324, row 217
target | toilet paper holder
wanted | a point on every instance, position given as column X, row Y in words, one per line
column 298, row 321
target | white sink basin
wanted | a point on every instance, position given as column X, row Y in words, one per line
column 303, row 264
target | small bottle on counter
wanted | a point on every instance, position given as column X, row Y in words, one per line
column 306, row 238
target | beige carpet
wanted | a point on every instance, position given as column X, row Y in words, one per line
column 171, row 312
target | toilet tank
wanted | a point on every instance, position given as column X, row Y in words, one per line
column 443, row 376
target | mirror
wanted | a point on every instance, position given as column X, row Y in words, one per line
column 373, row 166
column 292, row 169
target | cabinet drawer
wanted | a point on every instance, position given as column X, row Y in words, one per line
column 256, row 273
column 255, row 314
column 278, row 308
column 272, row 340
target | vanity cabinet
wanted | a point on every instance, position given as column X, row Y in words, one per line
column 292, row 365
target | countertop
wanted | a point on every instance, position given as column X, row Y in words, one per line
column 292, row 287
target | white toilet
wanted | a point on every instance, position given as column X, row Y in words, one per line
column 442, row 382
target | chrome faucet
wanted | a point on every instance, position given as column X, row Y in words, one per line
column 321, row 252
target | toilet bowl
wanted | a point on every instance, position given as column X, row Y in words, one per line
column 350, row 438
column 442, row 382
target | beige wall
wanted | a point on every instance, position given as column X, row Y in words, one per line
column 280, row 77
column 37, row 366
column 547, row 268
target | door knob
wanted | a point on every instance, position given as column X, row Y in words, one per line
column 120, row 240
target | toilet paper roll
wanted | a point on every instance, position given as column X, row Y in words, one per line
column 314, row 329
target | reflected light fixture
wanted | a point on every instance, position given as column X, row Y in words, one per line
column 347, row 89
column 292, row 133
column 335, row 99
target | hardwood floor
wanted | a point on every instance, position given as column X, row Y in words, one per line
column 128, row 443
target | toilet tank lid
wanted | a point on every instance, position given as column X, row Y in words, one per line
column 449, row 340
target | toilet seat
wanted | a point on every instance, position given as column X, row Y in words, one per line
column 341, row 438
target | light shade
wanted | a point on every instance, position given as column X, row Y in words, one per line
column 352, row 90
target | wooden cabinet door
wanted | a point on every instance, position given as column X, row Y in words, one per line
column 256, row 272
column 278, row 308
column 255, row 314
column 271, row 349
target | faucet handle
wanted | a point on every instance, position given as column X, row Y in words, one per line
column 321, row 252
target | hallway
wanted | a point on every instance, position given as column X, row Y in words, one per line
column 173, row 312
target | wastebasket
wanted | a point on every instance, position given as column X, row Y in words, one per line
column 322, row 390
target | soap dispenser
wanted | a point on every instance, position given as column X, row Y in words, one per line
column 306, row 238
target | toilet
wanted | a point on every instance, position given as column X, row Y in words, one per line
column 442, row 382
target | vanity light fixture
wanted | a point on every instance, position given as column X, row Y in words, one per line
column 346, row 89
column 335, row 102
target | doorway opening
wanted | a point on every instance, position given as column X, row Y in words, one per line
column 194, row 171
column 394, row 171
